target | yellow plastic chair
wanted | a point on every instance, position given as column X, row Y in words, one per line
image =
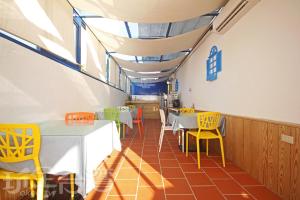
column 208, row 123
column 186, row 110
column 18, row 143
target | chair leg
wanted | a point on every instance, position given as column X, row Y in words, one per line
column 222, row 151
column 182, row 140
column 139, row 126
column 198, row 152
column 32, row 191
column 40, row 188
column 142, row 126
column 72, row 186
column 186, row 144
column 206, row 147
column 161, row 138
column 178, row 137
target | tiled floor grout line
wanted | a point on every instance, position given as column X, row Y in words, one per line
column 140, row 167
column 118, row 170
column 161, row 176
column 211, row 180
column 238, row 182
column 168, row 155
column 183, row 173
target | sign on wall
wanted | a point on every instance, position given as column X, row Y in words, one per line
column 213, row 64
column 149, row 88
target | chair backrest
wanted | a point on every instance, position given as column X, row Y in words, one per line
column 162, row 117
column 187, row 110
column 208, row 120
column 82, row 117
column 139, row 114
column 112, row 114
column 123, row 108
column 20, row 142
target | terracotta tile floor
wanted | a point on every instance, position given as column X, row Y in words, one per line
column 140, row 172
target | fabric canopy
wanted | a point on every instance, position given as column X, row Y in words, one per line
column 148, row 75
column 148, row 47
column 148, row 67
column 148, row 11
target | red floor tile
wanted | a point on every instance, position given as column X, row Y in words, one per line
column 150, row 159
column 150, row 193
column 190, row 167
column 150, row 167
column 150, row 179
column 169, row 163
column 207, row 193
column 208, row 163
column 166, row 156
column 262, row 193
column 229, row 187
column 172, row 173
column 180, row 197
column 198, row 179
column 124, row 187
column 216, row 173
column 130, row 163
column 245, row 179
column 169, row 174
column 239, row 197
column 177, row 186
column 183, row 159
column 128, row 173
column 121, row 197
column 231, row 168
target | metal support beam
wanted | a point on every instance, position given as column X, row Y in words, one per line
column 167, row 35
column 130, row 36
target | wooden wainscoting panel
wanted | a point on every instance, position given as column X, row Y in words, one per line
column 248, row 152
column 237, row 133
column 228, row 139
column 255, row 151
column 295, row 167
column 284, row 174
column 272, row 164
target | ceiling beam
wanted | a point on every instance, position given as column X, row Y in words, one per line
column 130, row 36
column 167, row 35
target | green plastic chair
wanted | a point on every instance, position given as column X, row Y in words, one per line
column 114, row 115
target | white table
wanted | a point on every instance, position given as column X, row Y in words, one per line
column 125, row 117
column 74, row 148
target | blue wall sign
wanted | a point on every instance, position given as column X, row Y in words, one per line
column 213, row 64
column 149, row 88
column 176, row 86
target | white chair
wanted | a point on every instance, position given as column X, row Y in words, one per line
column 163, row 127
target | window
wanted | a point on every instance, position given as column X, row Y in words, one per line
column 78, row 25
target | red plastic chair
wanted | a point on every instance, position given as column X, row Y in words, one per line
column 139, row 121
column 80, row 117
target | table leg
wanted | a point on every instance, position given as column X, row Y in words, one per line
column 182, row 140
column 124, row 130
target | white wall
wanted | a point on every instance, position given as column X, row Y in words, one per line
column 34, row 88
column 260, row 75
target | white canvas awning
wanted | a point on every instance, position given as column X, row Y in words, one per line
column 148, row 67
column 148, row 47
column 148, row 11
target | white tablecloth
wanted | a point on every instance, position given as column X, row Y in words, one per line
column 73, row 148
column 125, row 117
